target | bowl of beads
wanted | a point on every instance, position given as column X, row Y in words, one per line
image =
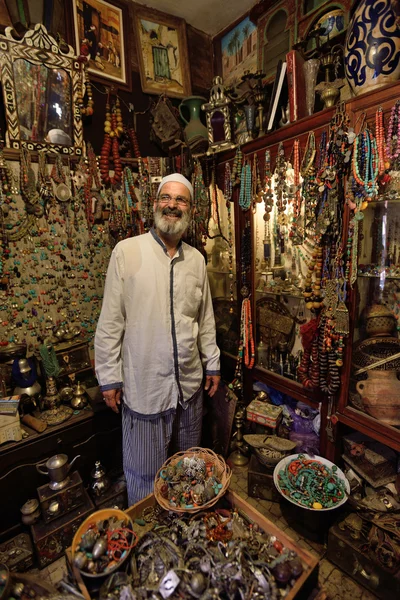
column 103, row 542
column 191, row 481
column 311, row 482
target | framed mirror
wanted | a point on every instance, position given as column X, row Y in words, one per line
column 40, row 84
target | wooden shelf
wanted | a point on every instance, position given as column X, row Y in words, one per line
column 390, row 436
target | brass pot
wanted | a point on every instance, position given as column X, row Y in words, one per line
column 79, row 398
column 379, row 321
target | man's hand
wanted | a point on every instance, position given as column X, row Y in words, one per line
column 112, row 398
column 212, row 383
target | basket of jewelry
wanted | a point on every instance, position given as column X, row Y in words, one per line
column 311, row 482
column 191, row 481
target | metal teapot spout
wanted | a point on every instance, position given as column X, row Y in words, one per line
column 72, row 462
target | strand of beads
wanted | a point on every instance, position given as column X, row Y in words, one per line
column 365, row 164
column 245, row 187
column 268, row 195
column 237, row 167
column 248, row 339
column 393, row 136
column 281, row 188
column 380, row 140
column 112, row 130
column 228, row 197
column 297, row 192
column 87, row 110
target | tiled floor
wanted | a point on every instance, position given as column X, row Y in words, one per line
column 334, row 582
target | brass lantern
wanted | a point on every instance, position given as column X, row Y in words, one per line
column 218, row 118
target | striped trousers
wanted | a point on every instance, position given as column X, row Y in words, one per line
column 147, row 443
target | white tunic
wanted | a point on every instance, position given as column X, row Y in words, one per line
column 156, row 331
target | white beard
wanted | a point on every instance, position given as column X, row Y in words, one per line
column 171, row 227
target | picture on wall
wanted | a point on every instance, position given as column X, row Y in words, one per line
column 162, row 51
column 100, row 35
column 239, row 51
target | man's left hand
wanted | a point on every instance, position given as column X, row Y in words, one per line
column 212, row 383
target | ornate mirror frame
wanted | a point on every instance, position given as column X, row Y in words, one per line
column 40, row 48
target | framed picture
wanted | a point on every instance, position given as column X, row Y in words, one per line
column 162, row 53
column 101, row 34
column 236, row 50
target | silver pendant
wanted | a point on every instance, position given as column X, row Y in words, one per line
column 63, row 193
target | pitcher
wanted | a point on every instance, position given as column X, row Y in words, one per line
column 194, row 126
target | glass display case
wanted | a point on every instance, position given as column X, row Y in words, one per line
column 280, row 267
column 221, row 268
column 374, row 384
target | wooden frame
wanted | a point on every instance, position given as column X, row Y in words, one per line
column 162, row 53
column 101, row 33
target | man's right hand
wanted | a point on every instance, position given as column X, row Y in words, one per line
column 113, row 399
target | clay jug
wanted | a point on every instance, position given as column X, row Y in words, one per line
column 194, row 127
column 380, row 394
column 372, row 51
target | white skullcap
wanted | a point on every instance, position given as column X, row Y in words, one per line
column 179, row 179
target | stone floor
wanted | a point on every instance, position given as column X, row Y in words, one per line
column 335, row 584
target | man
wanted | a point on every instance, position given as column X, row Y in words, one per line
column 155, row 335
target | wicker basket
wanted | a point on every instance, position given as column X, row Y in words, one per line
column 222, row 472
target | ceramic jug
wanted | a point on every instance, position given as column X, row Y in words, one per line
column 194, row 126
column 372, row 50
column 57, row 467
column 380, row 396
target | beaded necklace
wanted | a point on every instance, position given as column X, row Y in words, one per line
column 393, row 134
column 228, row 196
column 27, row 179
column 237, row 167
column 281, row 188
column 380, row 140
column 112, row 130
column 245, row 187
column 365, row 163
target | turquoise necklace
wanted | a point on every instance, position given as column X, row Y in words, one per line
column 245, row 187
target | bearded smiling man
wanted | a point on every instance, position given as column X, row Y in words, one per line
column 155, row 339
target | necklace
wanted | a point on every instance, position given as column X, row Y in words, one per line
column 365, row 163
column 393, row 134
column 112, row 130
column 380, row 140
column 245, row 187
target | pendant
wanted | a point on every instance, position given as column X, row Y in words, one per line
column 63, row 193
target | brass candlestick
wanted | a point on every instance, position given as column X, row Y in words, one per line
column 238, row 457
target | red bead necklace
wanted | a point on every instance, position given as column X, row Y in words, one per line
column 112, row 130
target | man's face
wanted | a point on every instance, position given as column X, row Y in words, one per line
column 172, row 209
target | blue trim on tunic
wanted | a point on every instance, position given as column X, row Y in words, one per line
column 112, row 386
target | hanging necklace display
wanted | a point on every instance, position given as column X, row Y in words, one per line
column 237, row 167
column 309, row 185
column 86, row 110
column 133, row 205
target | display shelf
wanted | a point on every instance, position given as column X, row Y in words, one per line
column 369, row 426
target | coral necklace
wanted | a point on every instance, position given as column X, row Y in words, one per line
column 112, row 130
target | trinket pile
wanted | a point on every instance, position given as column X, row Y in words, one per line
column 104, row 546
column 209, row 555
column 311, row 484
column 190, row 483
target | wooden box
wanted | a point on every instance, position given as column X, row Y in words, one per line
column 55, row 504
column 260, row 481
column 345, row 552
column 52, row 539
column 304, row 584
column 17, row 553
